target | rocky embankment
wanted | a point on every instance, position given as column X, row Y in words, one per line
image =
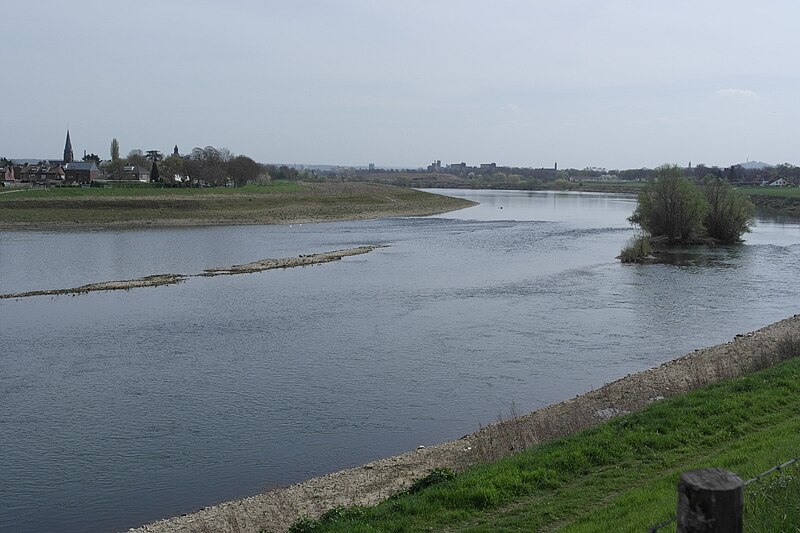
column 369, row 484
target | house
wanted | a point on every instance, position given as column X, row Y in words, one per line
column 8, row 175
column 133, row 173
column 780, row 182
column 81, row 172
column 42, row 174
column 176, row 179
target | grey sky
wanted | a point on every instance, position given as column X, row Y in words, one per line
column 618, row 84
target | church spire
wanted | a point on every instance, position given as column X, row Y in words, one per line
column 68, row 150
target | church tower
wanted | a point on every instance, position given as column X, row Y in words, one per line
column 68, row 150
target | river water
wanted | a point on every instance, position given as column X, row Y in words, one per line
column 120, row 408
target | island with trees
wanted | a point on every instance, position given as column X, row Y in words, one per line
column 672, row 210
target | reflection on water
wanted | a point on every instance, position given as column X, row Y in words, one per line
column 718, row 257
column 121, row 408
column 778, row 218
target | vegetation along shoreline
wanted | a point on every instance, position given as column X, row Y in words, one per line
column 373, row 482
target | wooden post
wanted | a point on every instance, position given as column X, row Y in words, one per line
column 710, row 500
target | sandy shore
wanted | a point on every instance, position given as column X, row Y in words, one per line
column 368, row 484
column 170, row 279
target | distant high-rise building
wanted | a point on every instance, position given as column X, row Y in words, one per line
column 436, row 166
column 68, row 157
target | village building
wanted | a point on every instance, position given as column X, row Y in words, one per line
column 81, row 173
column 68, row 157
column 42, row 174
column 133, row 173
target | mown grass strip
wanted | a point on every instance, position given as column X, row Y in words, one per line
column 619, row 476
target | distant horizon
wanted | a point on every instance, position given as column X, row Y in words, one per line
column 613, row 84
column 381, row 166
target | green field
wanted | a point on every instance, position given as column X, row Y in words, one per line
column 147, row 190
column 784, row 200
column 782, row 192
column 620, row 476
column 280, row 202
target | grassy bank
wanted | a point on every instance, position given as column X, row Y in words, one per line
column 777, row 192
column 776, row 199
column 274, row 204
column 621, row 475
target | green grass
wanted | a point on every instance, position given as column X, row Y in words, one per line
column 784, row 200
column 620, row 476
column 150, row 191
column 782, row 192
column 774, row 503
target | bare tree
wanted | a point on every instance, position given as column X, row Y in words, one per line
column 209, row 164
column 243, row 169
column 137, row 157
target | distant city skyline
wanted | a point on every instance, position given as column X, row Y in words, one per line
column 378, row 166
column 614, row 84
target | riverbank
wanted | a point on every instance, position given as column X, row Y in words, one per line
column 371, row 483
column 278, row 203
column 781, row 205
column 772, row 200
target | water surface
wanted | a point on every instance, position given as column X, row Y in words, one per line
column 120, row 408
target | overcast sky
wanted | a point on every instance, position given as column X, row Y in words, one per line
column 615, row 84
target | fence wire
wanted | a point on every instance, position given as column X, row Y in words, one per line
column 776, row 468
column 755, row 479
column 662, row 524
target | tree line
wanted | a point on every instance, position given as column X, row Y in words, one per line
column 212, row 166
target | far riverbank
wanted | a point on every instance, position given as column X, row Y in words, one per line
column 779, row 201
column 373, row 482
column 277, row 203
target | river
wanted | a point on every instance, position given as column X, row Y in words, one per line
column 119, row 408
